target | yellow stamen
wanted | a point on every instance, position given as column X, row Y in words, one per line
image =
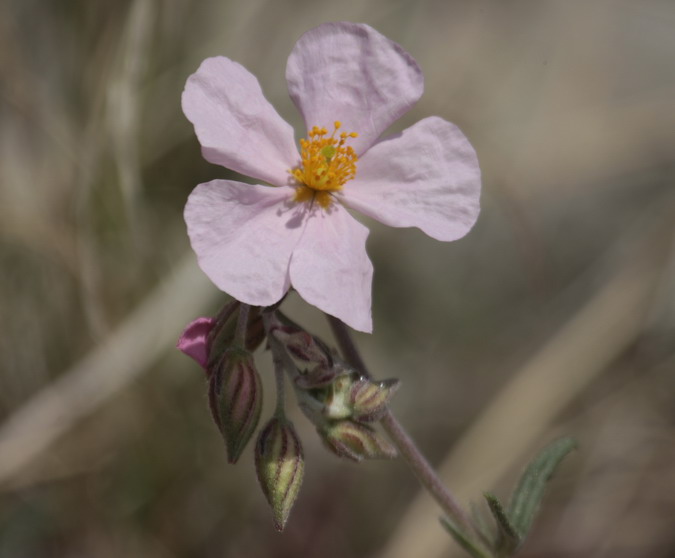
column 327, row 163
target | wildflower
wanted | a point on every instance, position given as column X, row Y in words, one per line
column 350, row 83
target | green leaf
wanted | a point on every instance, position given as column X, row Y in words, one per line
column 526, row 499
column 508, row 538
column 463, row 540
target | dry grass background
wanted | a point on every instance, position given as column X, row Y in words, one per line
column 556, row 315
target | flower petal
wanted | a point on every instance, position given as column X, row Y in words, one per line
column 244, row 235
column 426, row 177
column 193, row 340
column 351, row 73
column 330, row 268
column 236, row 125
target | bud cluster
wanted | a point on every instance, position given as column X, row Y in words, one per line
column 339, row 402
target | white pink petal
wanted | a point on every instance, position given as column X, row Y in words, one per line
column 244, row 236
column 351, row 73
column 330, row 268
column 236, row 126
column 426, row 177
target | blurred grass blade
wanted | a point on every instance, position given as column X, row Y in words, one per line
column 530, row 490
column 508, row 537
column 464, row 540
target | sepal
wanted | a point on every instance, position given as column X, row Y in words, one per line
column 235, row 399
column 369, row 400
column 356, row 441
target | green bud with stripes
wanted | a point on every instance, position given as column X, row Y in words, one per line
column 280, row 466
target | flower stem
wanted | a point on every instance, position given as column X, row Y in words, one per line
column 242, row 325
column 279, row 377
column 416, row 461
column 280, row 361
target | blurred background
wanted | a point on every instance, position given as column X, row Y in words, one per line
column 554, row 316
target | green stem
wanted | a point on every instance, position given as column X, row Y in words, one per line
column 419, row 465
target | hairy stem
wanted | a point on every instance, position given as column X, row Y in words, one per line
column 279, row 377
column 281, row 362
column 416, row 461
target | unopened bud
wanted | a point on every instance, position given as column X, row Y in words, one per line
column 369, row 399
column 338, row 393
column 302, row 345
column 356, row 441
column 280, row 467
column 235, row 398
column 194, row 340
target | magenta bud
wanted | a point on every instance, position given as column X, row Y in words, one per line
column 356, row 441
column 235, row 398
column 369, row 400
column 194, row 340
column 280, row 466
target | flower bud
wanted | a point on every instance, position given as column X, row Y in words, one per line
column 337, row 393
column 235, row 399
column 369, row 399
column 302, row 345
column 280, row 467
column 194, row 340
column 356, row 441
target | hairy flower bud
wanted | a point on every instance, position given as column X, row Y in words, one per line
column 369, row 399
column 280, row 467
column 302, row 345
column 356, row 441
column 235, row 398
column 339, row 393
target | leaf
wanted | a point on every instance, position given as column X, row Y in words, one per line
column 526, row 499
column 508, row 538
column 463, row 540
column 483, row 529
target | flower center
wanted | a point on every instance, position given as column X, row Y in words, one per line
column 327, row 163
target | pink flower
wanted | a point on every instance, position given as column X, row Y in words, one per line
column 254, row 241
